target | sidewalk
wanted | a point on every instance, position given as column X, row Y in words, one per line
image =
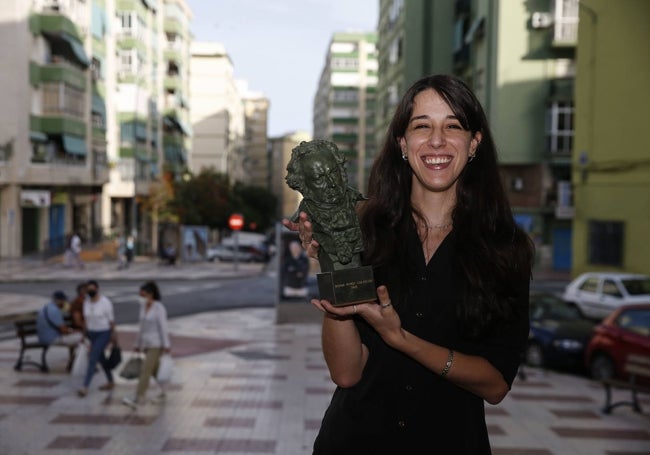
column 246, row 385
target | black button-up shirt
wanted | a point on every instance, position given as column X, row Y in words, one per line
column 399, row 406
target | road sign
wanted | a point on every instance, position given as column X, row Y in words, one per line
column 236, row 221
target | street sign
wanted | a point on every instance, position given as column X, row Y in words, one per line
column 236, row 221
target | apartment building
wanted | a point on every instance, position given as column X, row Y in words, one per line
column 611, row 156
column 217, row 115
column 344, row 104
column 281, row 147
column 519, row 58
column 255, row 161
column 151, row 133
column 52, row 137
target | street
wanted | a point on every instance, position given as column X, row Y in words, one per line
column 181, row 296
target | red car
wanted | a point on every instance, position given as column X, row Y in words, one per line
column 625, row 331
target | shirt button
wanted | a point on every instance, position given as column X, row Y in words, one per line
column 401, row 424
column 409, row 388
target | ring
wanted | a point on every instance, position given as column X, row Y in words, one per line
column 385, row 305
column 354, row 309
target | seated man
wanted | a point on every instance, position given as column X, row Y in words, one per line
column 50, row 325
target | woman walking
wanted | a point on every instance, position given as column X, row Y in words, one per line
column 152, row 339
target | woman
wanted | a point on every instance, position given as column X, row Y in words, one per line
column 453, row 269
column 152, row 338
column 99, row 325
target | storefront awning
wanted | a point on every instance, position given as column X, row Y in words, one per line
column 74, row 145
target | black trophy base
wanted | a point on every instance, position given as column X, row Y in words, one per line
column 347, row 286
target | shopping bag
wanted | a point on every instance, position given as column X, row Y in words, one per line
column 114, row 358
column 131, row 369
column 165, row 368
column 80, row 364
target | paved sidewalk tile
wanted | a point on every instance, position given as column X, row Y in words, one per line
column 245, row 385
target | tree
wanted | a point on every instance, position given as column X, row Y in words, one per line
column 208, row 199
column 203, row 200
column 258, row 206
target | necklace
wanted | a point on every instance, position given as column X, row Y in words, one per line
column 439, row 227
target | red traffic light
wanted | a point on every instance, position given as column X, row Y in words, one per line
column 236, row 221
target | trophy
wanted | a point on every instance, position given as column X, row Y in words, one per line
column 317, row 170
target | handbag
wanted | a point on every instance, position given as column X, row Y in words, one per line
column 80, row 364
column 115, row 357
column 131, row 369
column 165, row 368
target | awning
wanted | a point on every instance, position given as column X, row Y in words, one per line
column 37, row 136
column 174, row 122
column 561, row 90
column 98, row 106
column 74, row 145
column 77, row 48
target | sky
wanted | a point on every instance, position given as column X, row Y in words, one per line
column 279, row 46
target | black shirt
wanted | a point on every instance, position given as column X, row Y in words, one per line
column 399, row 406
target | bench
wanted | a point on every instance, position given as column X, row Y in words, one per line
column 26, row 332
column 636, row 366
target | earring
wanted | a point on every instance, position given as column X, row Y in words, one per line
column 471, row 157
column 404, row 157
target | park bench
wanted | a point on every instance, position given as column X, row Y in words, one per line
column 26, row 332
column 637, row 367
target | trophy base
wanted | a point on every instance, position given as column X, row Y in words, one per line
column 347, row 286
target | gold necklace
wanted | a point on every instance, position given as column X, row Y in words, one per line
column 440, row 227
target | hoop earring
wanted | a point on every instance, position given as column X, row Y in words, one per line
column 404, row 157
column 471, row 157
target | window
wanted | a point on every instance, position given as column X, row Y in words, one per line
column 605, row 245
column 610, row 289
column 559, row 127
column 590, row 285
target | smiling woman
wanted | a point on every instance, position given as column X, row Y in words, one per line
column 448, row 328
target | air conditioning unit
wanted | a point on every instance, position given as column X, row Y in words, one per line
column 541, row 20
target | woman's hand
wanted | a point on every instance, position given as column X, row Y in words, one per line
column 304, row 229
column 379, row 314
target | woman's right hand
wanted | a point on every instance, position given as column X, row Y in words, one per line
column 304, row 229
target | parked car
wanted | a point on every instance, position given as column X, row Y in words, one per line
column 598, row 294
column 229, row 253
column 558, row 333
column 625, row 331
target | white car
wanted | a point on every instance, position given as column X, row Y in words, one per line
column 597, row 294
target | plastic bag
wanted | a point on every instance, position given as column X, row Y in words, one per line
column 165, row 368
column 80, row 364
column 131, row 369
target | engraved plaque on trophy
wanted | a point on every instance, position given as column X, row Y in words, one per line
column 317, row 171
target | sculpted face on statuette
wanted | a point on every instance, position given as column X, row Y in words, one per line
column 317, row 170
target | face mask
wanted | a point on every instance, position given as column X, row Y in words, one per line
column 142, row 300
column 92, row 293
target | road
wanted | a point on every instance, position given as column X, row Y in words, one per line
column 181, row 297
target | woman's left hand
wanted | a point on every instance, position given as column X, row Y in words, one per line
column 379, row 314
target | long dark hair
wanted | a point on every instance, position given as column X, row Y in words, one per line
column 151, row 287
column 491, row 251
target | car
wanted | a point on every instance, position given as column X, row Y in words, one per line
column 626, row 331
column 228, row 253
column 558, row 333
column 597, row 294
